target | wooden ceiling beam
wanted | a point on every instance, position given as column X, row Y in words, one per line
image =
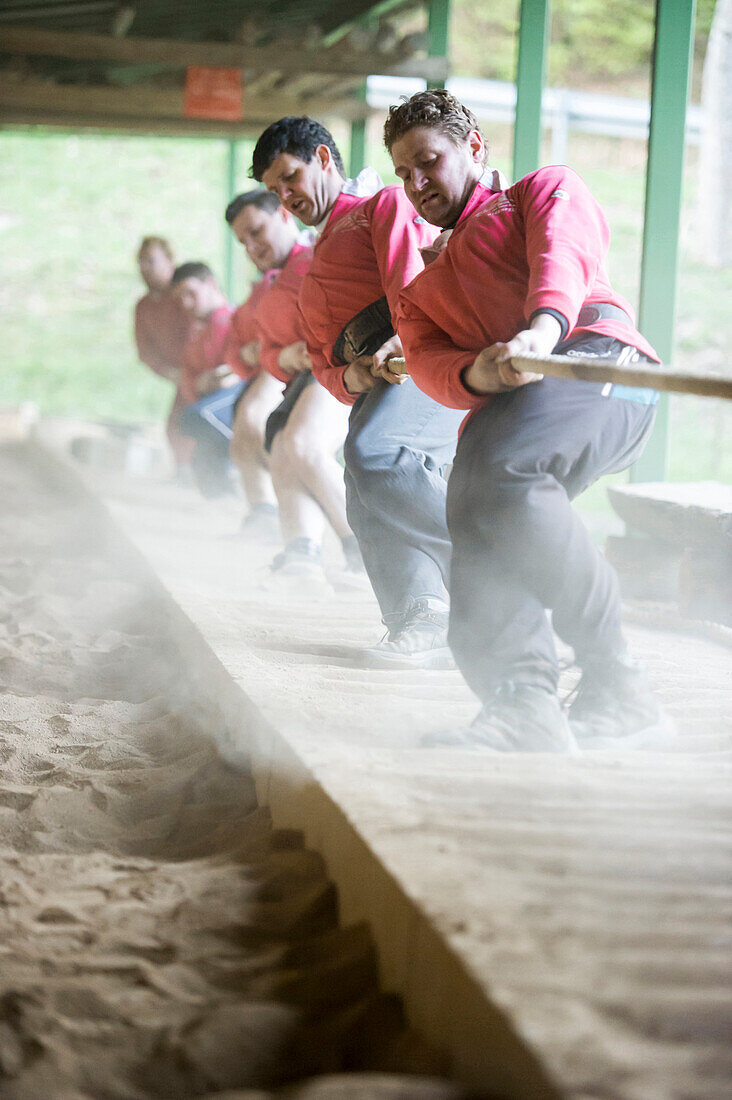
column 148, row 102
column 71, row 122
column 178, row 53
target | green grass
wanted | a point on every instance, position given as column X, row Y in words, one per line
column 72, row 212
column 73, row 209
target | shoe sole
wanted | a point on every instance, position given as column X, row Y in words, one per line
column 434, row 659
column 494, row 743
column 438, row 741
column 651, row 737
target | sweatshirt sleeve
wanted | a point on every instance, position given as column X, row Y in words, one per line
column 204, row 351
column 269, row 357
column 147, row 348
column 433, row 361
column 279, row 324
column 567, row 238
column 232, row 356
column 330, row 378
column 216, row 338
column 398, row 233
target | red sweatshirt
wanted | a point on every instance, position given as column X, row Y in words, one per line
column 205, row 350
column 244, row 329
column 369, row 248
column 161, row 331
column 278, row 318
column 540, row 244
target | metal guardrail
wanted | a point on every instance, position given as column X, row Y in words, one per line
column 563, row 110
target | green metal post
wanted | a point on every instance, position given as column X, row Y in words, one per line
column 439, row 32
column 231, row 165
column 533, row 37
column 672, row 58
column 357, row 159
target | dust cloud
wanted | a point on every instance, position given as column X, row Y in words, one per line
column 158, row 938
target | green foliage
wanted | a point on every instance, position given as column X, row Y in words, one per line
column 73, row 209
column 483, row 38
column 593, row 42
column 586, row 44
column 72, row 212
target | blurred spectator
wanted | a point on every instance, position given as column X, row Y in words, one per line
column 161, row 331
column 206, row 382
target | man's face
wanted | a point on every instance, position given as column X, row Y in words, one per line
column 438, row 174
column 195, row 296
column 156, row 268
column 267, row 237
column 301, row 186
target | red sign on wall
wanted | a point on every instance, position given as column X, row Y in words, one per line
column 213, row 92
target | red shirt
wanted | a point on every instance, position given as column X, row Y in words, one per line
column 369, row 248
column 244, row 329
column 540, row 244
column 278, row 316
column 161, row 331
column 205, row 349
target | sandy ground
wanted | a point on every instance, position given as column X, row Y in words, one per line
column 157, row 936
column 589, row 897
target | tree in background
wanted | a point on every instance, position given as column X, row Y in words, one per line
column 594, row 45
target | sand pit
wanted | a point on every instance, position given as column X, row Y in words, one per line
column 158, row 938
column 559, row 925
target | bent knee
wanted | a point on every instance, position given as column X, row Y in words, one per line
column 248, row 437
column 304, row 448
column 364, row 453
column 497, row 494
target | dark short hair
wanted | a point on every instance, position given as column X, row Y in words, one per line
column 192, row 269
column 299, row 137
column 263, row 200
column 155, row 242
column 436, row 108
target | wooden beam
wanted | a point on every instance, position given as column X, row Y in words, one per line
column 178, row 53
column 144, row 127
column 148, row 102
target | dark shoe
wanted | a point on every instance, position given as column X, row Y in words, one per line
column 417, row 639
column 614, row 707
column 519, row 718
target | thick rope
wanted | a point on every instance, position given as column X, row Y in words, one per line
column 645, row 376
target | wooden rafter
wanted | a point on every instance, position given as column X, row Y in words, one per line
column 67, row 121
column 179, row 54
column 145, row 102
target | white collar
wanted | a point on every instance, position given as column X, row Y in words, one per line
column 495, row 181
column 366, row 183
